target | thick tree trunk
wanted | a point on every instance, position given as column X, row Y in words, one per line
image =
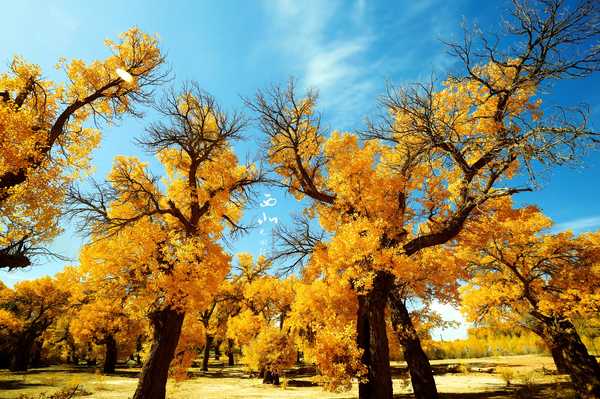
column 372, row 339
column 166, row 326
column 36, row 355
column 110, row 357
column 559, row 359
column 22, row 354
column 421, row 374
column 230, row 358
column 208, row 339
column 582, row 368
column 5, row 359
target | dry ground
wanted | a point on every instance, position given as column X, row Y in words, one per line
column 532, row 378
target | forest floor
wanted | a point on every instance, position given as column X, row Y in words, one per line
column 530, row 376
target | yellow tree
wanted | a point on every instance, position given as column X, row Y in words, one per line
column 323, row 319
column 523, row 274
column 260, row 327
column 26, row 312
column 45, row 141
column 101, row 314
column 442, row 153
column 164, row 243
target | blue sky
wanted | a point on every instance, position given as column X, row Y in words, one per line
column 348, row 50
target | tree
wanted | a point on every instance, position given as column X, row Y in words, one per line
column 323, row 319
column 205, row 317
column 46, row 143
column 259, row 327
column 433, row 276
column 163, row 244
column 442, row 153
column 26, row 312
column 105, row 322
column 525, row 275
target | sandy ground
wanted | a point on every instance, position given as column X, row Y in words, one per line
column 531, row 380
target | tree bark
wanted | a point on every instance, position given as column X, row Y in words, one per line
column 421, row 374
column 208, row 339
column 138, row 350
column 36, row 355
column 166, row 326
column 372, row 339
column 218, row 350
column 582, row 368
column 22, row 354
column 110, row 356
column 230, row 358
column 559, row 359
column 270, row 377
column 5, row 359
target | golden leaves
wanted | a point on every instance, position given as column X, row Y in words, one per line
column 43, row 140
column 519, row 267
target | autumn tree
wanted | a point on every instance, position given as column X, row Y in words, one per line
column 260, row 327
column 228, row 307
column 225, row 310
column 323, row 320
column 442, row 152
column 205, row 318
column 59, row 345
column 26, row 311
column 525, row 275
column 164, row 243
column 101, row 315
column 433, row 275
column 438, row 154
column 46, row 140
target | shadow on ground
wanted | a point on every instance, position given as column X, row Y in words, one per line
column 560, row 390
column 17, row 384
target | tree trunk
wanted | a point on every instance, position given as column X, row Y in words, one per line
column 5, row 359
column 421, row 374
column 22, row 354
column 36, row 354
column 270, row 377
column 218, row 350
column 372, row 339
column 138, row 350
column 110, row 357
column 230, row 358
column 559, row 360
column 582, row 368
column 166, row 325
column 72, row 357
column 207, row 345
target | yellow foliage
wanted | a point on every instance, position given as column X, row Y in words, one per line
column 44, row 143
column 271, row 350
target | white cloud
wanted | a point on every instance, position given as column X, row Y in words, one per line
column 578, row 225
column 339, row 48
column 336, row 65
column 331, row 65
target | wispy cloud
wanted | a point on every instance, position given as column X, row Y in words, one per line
column 578, row 225
column 339, row 49
column 332, row 62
